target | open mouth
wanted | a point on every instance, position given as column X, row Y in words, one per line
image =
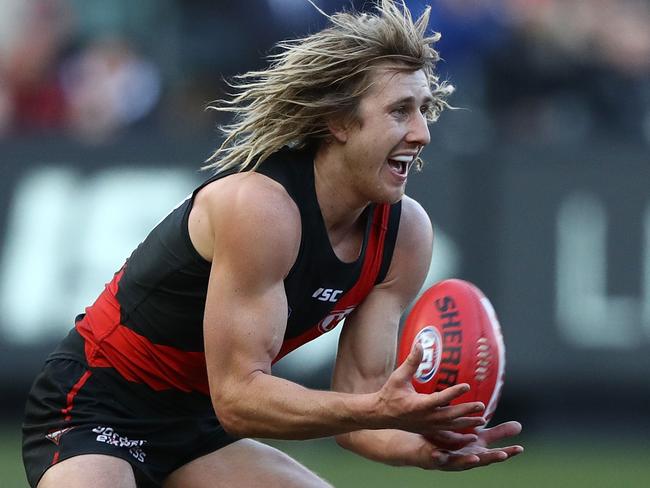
column 400, row 164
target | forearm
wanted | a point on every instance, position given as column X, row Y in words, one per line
column 270, row 407
column 393, row 447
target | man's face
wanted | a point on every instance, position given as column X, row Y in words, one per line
column 381, row 148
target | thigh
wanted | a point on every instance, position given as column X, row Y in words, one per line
column 69, row 417
column 244, row 463
column 72, row 412
column 96, row 470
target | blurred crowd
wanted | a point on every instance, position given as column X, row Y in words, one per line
column 525, row 69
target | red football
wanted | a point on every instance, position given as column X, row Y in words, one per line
column 462, row 342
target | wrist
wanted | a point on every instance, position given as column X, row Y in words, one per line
column 372, row 415
column 378, row 414
column 364, row 412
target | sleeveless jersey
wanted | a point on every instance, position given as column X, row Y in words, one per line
column 147, row 324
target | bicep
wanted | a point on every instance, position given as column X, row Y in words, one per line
column 243, row 325
column 255, row 244
column 368, row 342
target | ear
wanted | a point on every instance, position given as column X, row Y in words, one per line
column 338, row 128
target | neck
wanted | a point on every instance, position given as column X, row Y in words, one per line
column 340, row 205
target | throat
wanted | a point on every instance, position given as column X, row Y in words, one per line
column 347, row 246
column 343, row 210
column 347, row 240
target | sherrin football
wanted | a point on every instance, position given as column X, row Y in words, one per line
column 461, row 340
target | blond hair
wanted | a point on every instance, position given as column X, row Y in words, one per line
column 320, row 76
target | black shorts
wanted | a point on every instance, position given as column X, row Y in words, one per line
column 73, row 409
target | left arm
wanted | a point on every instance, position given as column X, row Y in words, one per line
column 366, row 359
column 368, row 342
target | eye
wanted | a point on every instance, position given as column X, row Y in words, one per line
column 425, row 110
column 401, row 111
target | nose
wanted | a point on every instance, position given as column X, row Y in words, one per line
column 418, row 130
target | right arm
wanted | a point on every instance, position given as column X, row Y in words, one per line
column 255, row 229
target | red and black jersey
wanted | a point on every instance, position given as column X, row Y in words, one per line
column 148, row 322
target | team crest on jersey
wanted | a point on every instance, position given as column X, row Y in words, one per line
column 335, row 316
column 55, row 436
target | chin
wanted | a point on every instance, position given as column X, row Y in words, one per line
column 389, row 197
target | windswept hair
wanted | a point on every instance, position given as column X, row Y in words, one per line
column 323, row 76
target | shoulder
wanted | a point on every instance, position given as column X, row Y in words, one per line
column 245, row 191
column 415, row 228
column 248, row 198
column 413, row 248
column 250, row 215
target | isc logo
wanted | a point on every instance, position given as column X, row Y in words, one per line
column 327, row 294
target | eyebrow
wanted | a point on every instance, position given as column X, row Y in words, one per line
column 411, row 99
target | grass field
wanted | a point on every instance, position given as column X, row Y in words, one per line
column 568, row 463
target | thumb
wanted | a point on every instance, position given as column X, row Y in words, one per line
column 408, row 368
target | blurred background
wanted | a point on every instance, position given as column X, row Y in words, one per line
column 538, row 187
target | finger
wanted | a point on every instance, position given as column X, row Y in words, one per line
column 452, row 441
column 408, row 368
column 444, row 397
column 463, row 409
column 498, row 455
column 450, row 413
column 490, row 457
column 455, row 462
column 459, row 461
column 459, row 424
column 498, row 432
column 512, row 450
column 466, row 424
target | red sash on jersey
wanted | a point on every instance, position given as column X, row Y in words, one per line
column 348, row 302
column 109, row 343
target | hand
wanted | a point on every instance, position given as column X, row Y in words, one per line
column 401, row 407
column 456, row 452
